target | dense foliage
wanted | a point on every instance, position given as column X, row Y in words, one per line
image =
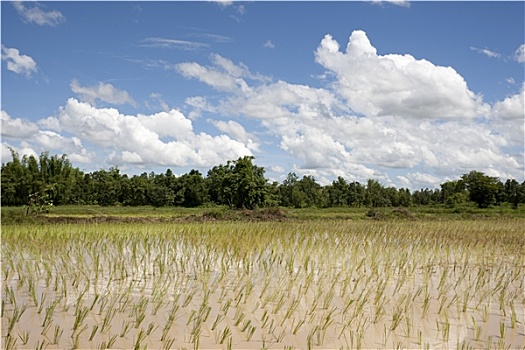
column 52, row 180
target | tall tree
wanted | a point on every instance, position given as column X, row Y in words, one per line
column 286, row 189
column 107, row 186
column 195, row 192
column 514, row 192
column 356, row 194
column 375, row 194
column 238, row 184
column 222, row 185
column 482, row 188
column 251, row 183
column 307, row 193
column 338, row 195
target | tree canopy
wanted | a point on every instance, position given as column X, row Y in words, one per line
column 238, row 184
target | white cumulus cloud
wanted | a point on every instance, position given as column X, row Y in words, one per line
column 376, row 85
column 102, row 92
column 411, row 115
column 420, row 180
column 165, row 138
column 20, row 64
column 238, row 132
column 29, row 137
column 17, row 128
column 512, row 107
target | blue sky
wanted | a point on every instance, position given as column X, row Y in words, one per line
column 409, row 93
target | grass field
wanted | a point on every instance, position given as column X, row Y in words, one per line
column 252, row 284
column 17, row 215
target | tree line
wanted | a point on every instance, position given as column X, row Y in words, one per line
column 52, row 180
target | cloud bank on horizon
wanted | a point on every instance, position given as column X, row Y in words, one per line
column 402, row 120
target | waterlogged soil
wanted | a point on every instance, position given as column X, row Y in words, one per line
column 270, row 214
column 324, row 285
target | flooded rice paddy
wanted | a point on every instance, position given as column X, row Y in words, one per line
column 256, row 285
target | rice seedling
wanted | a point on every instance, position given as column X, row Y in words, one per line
column 138, row 341
column 168, row 343
column 80, row 315
column 24, row 337
column 57, row 334
column 224, row 335
column 14, row 317
column 397, row 317
column 93, row 332
column 502, row 330
column 40, row 345
column 76, row 336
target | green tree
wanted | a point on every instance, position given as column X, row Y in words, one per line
column 53, row 178
column 221, row 185
column 238, row 184
column 286, row 189
column 273, row 195
column 375, row 194
column 13, row 189
column 338, row 193
column 194, row 189
column 425, row 197
column 452, row 188
column 482, row 188
column 514, row 192
column 107, row 186
column 306, row 193
column 356, row 194
column 251, row 183
column 405, row 198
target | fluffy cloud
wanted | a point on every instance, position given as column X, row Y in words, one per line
column 168, row 124
column 420, row 180
column 20, row 64
column 218, row 80
column 17, row 128
column 512, row 107
column 508, row 118
column 54, row 141
column 411, row 115
column 165, row 138
column 30, row 137
column 36, row 14
column 237, row 131
column 376, row 85
column 224, row 75
column 376, row 113
column 102, row 92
